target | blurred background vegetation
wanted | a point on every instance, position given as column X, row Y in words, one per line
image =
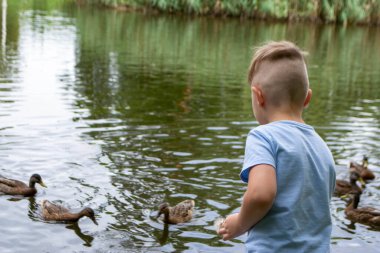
column 324, row 11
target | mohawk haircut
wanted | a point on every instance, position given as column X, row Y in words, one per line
column 273, row 51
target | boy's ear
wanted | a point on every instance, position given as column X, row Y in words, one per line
column 258, row 93
column 308, row 98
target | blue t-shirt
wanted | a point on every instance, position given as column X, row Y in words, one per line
column 299, row 220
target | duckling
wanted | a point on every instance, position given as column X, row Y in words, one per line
column 15, row 187
column 182, row 212
column 366, row 215
column 343, row 187
column 54, row 212
column 362, row 169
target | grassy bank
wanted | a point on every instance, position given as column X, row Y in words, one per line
column 325, row 11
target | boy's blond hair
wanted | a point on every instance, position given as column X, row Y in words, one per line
column 280, row 69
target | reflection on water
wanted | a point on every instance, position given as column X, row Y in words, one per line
column 87, row 239
column 165, row 234
column 33, row 211
column 123, row 111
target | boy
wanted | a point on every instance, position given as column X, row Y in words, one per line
column 288, row 167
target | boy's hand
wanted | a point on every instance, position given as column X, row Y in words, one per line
column 230, row 228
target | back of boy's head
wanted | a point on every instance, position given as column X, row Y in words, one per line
column 279, row 69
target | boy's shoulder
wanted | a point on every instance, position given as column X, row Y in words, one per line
column 288, row 131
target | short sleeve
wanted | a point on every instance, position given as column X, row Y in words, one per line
column 258, row 150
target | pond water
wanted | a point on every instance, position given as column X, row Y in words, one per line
column 122, row 111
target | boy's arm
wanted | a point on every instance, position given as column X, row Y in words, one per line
column 257, row 201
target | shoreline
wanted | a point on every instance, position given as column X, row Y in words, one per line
column 218, row 12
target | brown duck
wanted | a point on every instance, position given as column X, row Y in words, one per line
column 54, row 212
column 15, row 187
column 182, row 212
column 343, row 187
column 362, row 169
column 365, row 215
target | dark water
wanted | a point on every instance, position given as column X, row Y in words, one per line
column 122, row 111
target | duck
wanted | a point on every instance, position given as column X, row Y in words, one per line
column 362, row 169
column 55, row 212
column 365, row 215
column 15, row 187
column 343, row 187
column 180, row 213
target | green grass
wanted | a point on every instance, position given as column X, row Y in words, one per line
column 327, row 11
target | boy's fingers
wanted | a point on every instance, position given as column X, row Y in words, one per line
column 224, row 233
column 221, row 231
column 226, row 237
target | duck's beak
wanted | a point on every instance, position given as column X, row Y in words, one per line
column 362, row 182
column 93, row 219
column 43, row 184
column 158, row 214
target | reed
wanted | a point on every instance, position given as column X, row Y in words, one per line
column 326, row 11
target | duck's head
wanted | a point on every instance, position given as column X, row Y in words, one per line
column 163, row 208
column 355, row 176
column 36, row 178
column 89, row 212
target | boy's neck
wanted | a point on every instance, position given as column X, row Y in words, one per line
column 277, row 116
